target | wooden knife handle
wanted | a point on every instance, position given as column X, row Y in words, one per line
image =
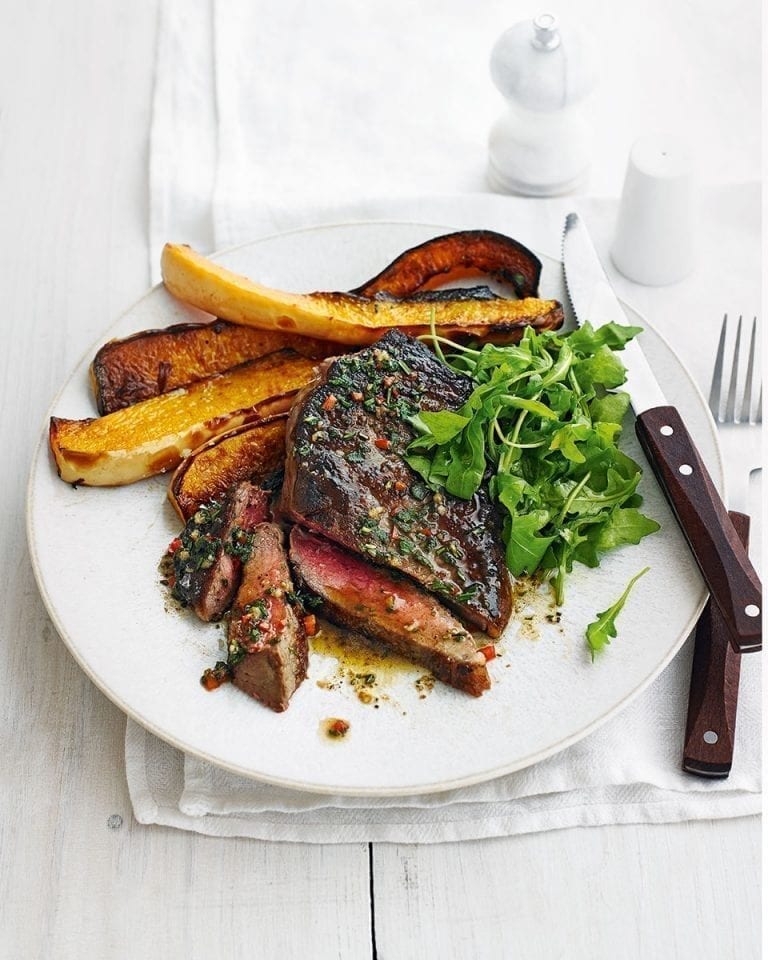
column 711, row 725
column 720, row 554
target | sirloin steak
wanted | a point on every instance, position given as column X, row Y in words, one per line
column 267, row 642
column 211, row 549
column 346, row 478
column 389, row 608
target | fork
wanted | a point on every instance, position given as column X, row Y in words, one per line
column 711, row 722
column 739, row 423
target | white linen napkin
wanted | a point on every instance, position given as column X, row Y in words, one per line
column 267, row 156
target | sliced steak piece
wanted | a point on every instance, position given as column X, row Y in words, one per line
column 346, row 477
column 267, row 641
column 213, row 546
column 389, row 608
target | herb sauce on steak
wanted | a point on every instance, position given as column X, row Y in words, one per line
column 346, row 477
column 389, row 608
column 267, row 640
column 210, row 552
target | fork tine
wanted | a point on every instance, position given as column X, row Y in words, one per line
column 746, row 406
column 730, row 406
column 717, row 373
column 759, row 413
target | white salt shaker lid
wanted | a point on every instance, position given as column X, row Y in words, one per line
column 654, row 240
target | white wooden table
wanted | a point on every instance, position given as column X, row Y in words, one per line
column 78, row 877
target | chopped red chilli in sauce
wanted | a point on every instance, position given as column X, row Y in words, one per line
column 214, row 677
column 336, row 728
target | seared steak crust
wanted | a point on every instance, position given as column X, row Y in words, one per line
column 346, row 478
column 389, row 608
column 214, row 543
column 267, row 641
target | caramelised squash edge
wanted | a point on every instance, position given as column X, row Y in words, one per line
column 465, row 253
column 153, row 436
column 252, row 451
column 341, row 317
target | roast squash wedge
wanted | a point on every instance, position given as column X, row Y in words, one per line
column 152, row 362
column 342, row 317
column 253, row 451
column 154, row 435
column 466, row 253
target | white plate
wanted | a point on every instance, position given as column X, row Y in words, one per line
column 95, row 554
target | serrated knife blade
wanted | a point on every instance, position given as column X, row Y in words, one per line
column 671, row 452
column 593, row 299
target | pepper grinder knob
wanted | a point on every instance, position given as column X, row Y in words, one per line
column 546, row 32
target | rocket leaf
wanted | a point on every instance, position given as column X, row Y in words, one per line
column 541, row 428
column 600, row 631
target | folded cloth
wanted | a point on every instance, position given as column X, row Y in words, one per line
column 168, row 788
column 628, row 771
column 287, row 103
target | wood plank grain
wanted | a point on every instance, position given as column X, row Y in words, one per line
column 73, row 128
column 623, row 891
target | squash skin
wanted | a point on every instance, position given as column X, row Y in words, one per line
column 465, row 253
column 342, row 317
column 154, row 435
column 253, row 451
column 153, row 362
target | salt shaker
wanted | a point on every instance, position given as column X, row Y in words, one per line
column 654, row 239
column 541, row 146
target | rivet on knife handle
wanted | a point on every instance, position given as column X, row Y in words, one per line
column 722, row 559
column 711, row 725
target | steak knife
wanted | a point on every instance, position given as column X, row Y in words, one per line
column 710, row 729
column 672, row 454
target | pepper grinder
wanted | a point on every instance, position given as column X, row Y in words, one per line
column 541, row 146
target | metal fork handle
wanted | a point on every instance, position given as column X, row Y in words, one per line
column 710, row 729
column 721, row 556
column 738, row 487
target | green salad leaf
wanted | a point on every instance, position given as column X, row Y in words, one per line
column 600, row 631
column 443, row 425
column 541, row 428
